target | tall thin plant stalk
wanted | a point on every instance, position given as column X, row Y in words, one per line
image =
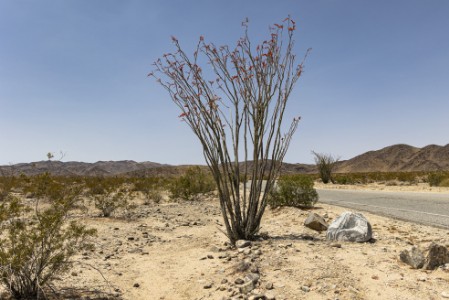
column 237, row 115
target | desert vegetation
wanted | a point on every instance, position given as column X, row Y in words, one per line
column 294, row 191
column 52, row 228
column 38, row 239
column 326, row 164
column 237, row 115
column 433, row 179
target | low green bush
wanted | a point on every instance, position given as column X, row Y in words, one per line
column 444, row 182
column 193, row 183
column 436, row 178
column 37, row 244
column 293, row 190
column 110, row 200
column 151, row 188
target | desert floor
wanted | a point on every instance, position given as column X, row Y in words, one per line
column 177, row 251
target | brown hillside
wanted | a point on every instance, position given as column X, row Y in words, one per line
column 399, row 158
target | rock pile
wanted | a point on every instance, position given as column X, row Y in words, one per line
column 436, row 256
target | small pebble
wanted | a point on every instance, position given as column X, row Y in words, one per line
column 207, row 286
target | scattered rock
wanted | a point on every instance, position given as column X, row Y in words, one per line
column 351, row 227
column 437, row 255
column 208, row 285
column 258, row 252
column 243, row 266
column 316, row 222
column 269, row 286
column 305, row 289
column 270, row 296
column 445, row 294
column 257, row 297
column 247, row 287
column 136, row 285
column 215, row 249
column 413, row 257
column 239, row 281
column 254, row 277
column 242, row 244
column 422, row 278
column 247, row 251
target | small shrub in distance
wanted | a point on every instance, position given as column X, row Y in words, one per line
column 326, row 164
column 36, row 245
column 344, row 179
column 194, row 182
column 295, row 191
column 151, row 188
column 444, row 182
column 435, row 178
column 110, row 200
column 154, row 195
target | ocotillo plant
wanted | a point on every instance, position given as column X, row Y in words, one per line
column 237, row 115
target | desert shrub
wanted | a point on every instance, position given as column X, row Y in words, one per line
column 108, row 193
column 379, row 177
column 151, row 188
column 344, row 179
column 435, row 178
column 36, row 246
column 154, row 195
column 112, row 199
column 194, row 182
column 293, row 190
column 444, row 182
column 6, row 185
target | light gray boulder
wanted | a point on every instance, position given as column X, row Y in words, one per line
column 350, row 227
column 315, row 222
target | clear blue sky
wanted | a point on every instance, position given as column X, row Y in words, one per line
column 73, row 75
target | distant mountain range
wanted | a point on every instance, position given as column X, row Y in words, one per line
column 396, row 158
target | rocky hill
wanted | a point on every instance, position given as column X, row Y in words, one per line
column 100, row 168
column 396, row 158
column 399, row 158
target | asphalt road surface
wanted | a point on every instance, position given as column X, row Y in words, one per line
column 424, row 208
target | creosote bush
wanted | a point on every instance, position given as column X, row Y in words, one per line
column 295, row 191
column 111, row 200
column 192, row 184
column 437, row 178
column 37, row 244
column 151, row 188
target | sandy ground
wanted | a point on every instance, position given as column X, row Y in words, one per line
column 177, row 251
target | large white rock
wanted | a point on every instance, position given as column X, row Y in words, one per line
column 351, row 227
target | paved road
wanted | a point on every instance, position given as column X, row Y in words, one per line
column 424, row 208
